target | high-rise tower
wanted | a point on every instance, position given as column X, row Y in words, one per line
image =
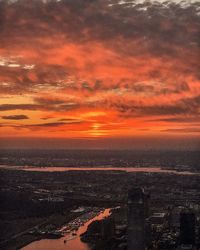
column 187, row 227
column 137, row 208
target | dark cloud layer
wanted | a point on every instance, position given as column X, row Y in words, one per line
column 41, row 126
column 41, row 105
column 8, row 107
column 185, row 119
column 15, row 117
column 185, row 106
column 183, row 130
column 48, row 125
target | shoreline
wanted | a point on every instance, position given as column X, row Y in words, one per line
column 25, row 239
column 16, row 244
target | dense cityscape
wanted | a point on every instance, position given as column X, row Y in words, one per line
column 147, row 210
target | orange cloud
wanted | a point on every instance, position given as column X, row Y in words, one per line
column 82, row 69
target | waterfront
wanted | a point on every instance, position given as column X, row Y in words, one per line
column 70, row 241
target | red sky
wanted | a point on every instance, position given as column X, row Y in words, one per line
column 107, row 71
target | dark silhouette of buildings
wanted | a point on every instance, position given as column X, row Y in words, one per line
column 187, row 227
column 107, row 228
column 137, row 212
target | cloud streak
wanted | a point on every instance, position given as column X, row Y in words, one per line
column 15, row 117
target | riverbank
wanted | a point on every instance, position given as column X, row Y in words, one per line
column 24, row 238
column 60, row 222
column 108, row 233
column 71, row 240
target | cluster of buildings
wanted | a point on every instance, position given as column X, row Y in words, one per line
column 40, row 194
column 176, row 228
column 138, row 225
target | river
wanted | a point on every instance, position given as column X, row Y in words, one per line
column 125, row 169
column 72, row 242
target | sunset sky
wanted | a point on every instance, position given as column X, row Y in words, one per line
column 102, row 71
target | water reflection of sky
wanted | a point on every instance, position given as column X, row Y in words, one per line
column 73, row 244
column 128, row 169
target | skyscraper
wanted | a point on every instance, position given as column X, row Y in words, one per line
column 137, row 207
column 187, row 227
